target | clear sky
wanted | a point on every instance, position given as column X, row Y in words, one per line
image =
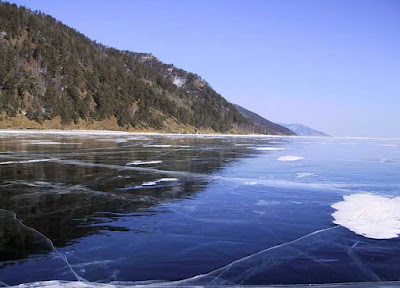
column 332, row 65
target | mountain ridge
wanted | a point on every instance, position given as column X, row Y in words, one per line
column 303, row 130
column 52, row 76
column 267, row 125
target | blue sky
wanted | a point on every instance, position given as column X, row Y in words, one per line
column 332, row 65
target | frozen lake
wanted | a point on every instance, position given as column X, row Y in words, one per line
column 198, row 210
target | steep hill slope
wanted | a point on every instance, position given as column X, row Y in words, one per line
column 52, row 76
column 267, row 126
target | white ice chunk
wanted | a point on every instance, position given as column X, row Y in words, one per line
column 290, row 158
column 371, row 216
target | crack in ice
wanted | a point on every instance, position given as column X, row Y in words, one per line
column 61, row 255
column 230, row 265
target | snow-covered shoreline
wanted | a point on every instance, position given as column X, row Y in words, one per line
column 121, row 133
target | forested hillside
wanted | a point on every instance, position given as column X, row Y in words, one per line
column 50, row 73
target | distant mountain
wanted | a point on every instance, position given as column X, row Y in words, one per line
column 52, row 76
column 303, row 130
column 267, row 126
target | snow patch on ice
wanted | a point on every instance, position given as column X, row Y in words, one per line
column 41, row 142
column 139, row 162
column 152, row 183
column 267, row 203
column 165, row 146
column 250, row 183
column 290, row 158
column 371, row 216
column 258, row 212
column 121, row 140
column 167, row 179
column 269, row 148
column 303, row 175
column 26, row 161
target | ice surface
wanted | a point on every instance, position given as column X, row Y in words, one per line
column 290, row 158
column 261, row 264
column 219, row 210
column 371, row 216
